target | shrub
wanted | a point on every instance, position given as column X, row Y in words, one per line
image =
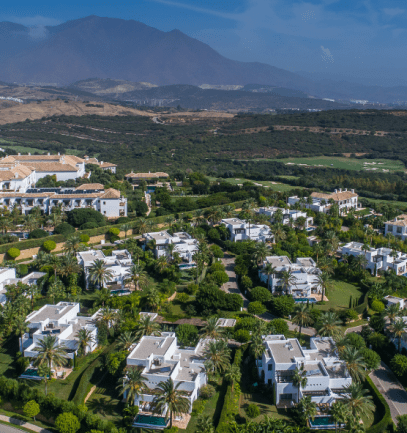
column 38, row 234
column 89, row 225
column 114, row 231
column 49, row 245
column 64, row 229
column 260, row 294
column 252, row 410
column 187, row 334
column 78, row 217
column 256, row 308
column 216, row 251
column 217, row 266
column 31, row 409
column 198, row 406
column 207, row 392
column 247, row 323
column 22, row 270
column 13, row 253
column 399, row 364
column 246, row 282
column 372, row 359
column 84, row 238
column 220, row 277
column 213, row 234
column 382, row 408
column 279, row 326
column 356, row 340
column 242, row 336
column 67, row 423
column 233, row 302
column 172, row 429
column 402, row 424
column 182, row 297
column 377, row 306
column 283, row 305
column 351, row 315
column 191, row 288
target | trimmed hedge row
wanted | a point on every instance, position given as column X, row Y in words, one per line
column 360, row 309
column 386, row 422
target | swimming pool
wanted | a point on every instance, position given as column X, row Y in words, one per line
column 322, row 422
column 149, row 421
column 304, row 300
column 31, row 373
column 310, row 229
column 120, row 292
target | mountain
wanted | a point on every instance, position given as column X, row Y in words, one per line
column 126, row 50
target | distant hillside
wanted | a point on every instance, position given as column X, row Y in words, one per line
column 108, row 86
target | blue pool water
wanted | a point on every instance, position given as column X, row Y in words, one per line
column 304, row 300
column 155, row 422
column 322, row 422
column 309, row 229
column 120, row 292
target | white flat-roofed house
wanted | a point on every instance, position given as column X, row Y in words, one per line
column 61, row 321
column 378, row 259
column 287, row 214
column 161, row 358
column 304, row 271
column 345, row 199
column 327, row 376
column 8, row 277
column 185, row 245
column 393, row 300
column 397, row 227
column 241, row 230
column 119, row 264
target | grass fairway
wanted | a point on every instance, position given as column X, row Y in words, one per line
column 339, row 295
column 275, row 186
column 375, row 165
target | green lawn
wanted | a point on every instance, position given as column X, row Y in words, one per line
column 347, row 163
column 263, row 403
column 282, row 187
column 23, row 149
column 339, row 295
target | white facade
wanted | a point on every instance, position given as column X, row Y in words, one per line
column 61, row 321
column 393, row 300
column 109, row 203
column 378, row 259
column 304, row 272
column 345, row 199
column 16, row 177
column 106, row 166
column 185, row 245
column 397, row 227
column 241, row 230
column 327, row 375
column 119, row 264
column 8, row 276
column 288, row 215
column 161, row 358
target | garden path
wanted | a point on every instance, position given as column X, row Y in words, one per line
column 7, row 429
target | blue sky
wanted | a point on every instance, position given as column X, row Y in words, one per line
column 358, row 40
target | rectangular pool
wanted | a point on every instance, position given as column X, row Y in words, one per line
column 322, row 422
column 151, row 422
column 31, row 373
column 304, row 300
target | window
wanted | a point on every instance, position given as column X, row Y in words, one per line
column 269, row 381
column 104, row 202
column 286, row 396
column 270, row 367
column 104, row 212
column 399, row 229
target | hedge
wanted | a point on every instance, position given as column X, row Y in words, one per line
column 383, row 409
column 360, row 309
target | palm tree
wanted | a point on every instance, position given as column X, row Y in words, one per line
column 308, row 408
column 398, row 329
column 102, row 296
column 300, row 379
column 355, row 363
column 106, row 316
column 50, row 353
column 55, row 263
column 392, row 312
column 125, row 228
column 359, row 262
column 85, row 339
column 204, row 425
column 233, row 374
column 147, row 327
column 153, row 298
column 54, row 219
column 138, row 276
column 268, row 269
column 325, row 282
column 99, row 275
column 73, row 244
column 328, row 325
column 161, row 264
column 45, row 372
column 70, row 266
column 257, row 347
column 56, row 290
column 132, row 384
column 170, row 397
column 301, row 316
column 212, row 330
column 279, row 233
column 287, row 279
column 170, row 250
column 217, row 355
column 20, row 328
column 141, row 226
column 358, row 402
column 331, row 241
column 33, row 292
column 340, row 413
column 169, row 220
column 318, row 250
column 126, row 340
column 260, row 252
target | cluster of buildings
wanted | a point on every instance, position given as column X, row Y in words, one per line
column 119, row 264
column 304, row 279
column 241, row 230
column 184, row 245
column 327, row 376
column 287, row 215
column 397, row 227
column 146, row 177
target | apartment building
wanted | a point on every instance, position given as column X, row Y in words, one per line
column 241, row 230
column 61, row 321
column 304, row 272
column 161, row 358
column 8, row 277
column 397, row 227
column 288, row 215
column 320, row 202
column 184, row 245
column 16, row 177
column 378, row 259
column 327, row 376
column 119, row 264
column 109, row 203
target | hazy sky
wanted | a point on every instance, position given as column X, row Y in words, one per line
column 364, row 40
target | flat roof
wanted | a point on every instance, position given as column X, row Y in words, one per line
column 51, row 312
column 151, row 345
column 278, row 260
column 284, row 351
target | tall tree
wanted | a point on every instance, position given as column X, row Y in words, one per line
column 300, row 379
column 99, row 274
column 212, row 330
column 217, row 355
column 301, row 316
column 50, row 352
column 233, row 374
column 147, row 327
column 328, row 325
column 354, row 362
column 358, row 401
column 85, row 339
column 398, row 329
column 132, row 385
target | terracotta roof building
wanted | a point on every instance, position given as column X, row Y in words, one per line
column 397, row 227
column 146, row 176
column 101, row 164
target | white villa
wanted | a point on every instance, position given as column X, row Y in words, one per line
column 119, row 264
column 397, row 227
column 327, row 376
column 393, row 300
column 61, row 321
column 241, row 230
column 288, row 215
column 185, row 245
column 160, row 358
column 345, row 199
column 109, row 203
column 304, row 270
column 8, row 276
column 106, row 166
column 378, row 259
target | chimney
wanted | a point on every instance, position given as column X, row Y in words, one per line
column 346, row 189
column 29, row 153
column 59, row 153
column 336, row 191
column 48, row 154
column 19, row 154
column 340, row 189
column 16, row 175
column 101, row 162
column 353, row 191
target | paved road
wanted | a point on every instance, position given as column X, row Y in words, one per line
column 8, row 429
column 231, row 285
column 391, row 389
column 356, row 329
